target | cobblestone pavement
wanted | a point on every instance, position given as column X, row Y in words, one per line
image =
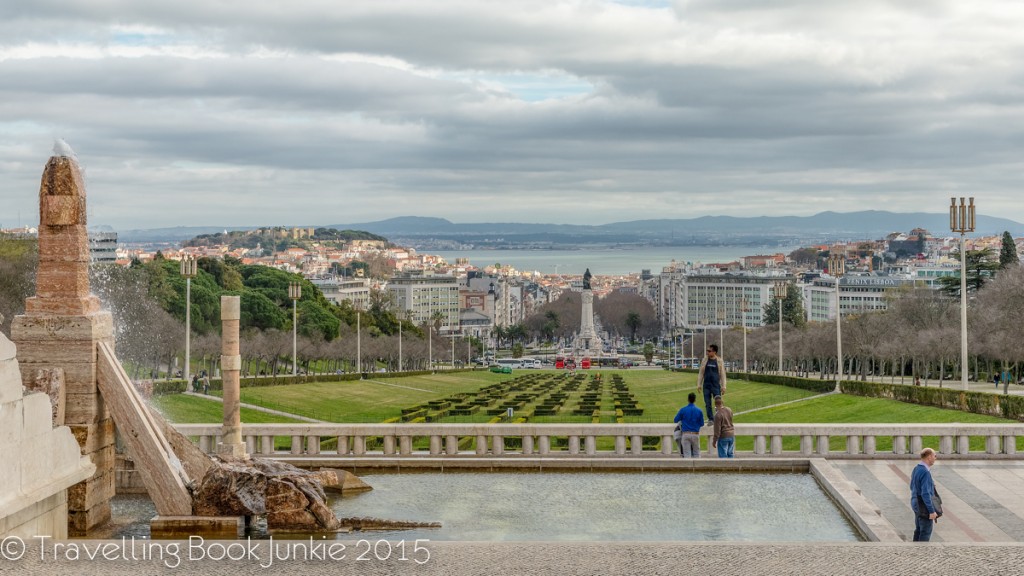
column 982, row 499
column 453, row 558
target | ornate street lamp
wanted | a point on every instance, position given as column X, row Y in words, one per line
column 295, row 292
column 961, row 220
column 836, row 269
column 189, row 269
column 781, row 289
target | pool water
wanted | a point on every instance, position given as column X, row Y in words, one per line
column 578, row 506
column 574, row 506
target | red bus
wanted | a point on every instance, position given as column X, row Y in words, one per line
column 585, row 364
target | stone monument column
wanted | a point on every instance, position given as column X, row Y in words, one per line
column 589, row 343
column 61, row 328
column 230, row 371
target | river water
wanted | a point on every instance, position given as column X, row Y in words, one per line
column 606, row 261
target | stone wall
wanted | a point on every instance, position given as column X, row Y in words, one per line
column 39, row 461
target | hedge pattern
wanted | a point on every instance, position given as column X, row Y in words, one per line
column 819, row 386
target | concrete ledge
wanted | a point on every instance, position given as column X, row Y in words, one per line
column 364, row 464
column 209, row 527
column 862, row 512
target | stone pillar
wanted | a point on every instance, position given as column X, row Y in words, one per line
column 230, row 370
column 61, row 328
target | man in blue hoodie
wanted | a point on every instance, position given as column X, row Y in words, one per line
column 922, row 491
column 690, row 420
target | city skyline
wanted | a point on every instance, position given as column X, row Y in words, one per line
column 194, row 113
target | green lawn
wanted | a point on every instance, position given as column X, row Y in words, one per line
column 842, row 409
column 366, row 400
column 183, row 409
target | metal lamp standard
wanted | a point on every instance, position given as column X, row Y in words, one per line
column 836, row 269
column 961, row 220
column 743, row 321
column 295, row 292
column 720, row 317
column 189, row 269
column 781, row 290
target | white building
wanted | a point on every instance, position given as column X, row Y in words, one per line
column 423, row 295
column 689, row 299
column 857, row 295
column 103, row 247
column 338, row 290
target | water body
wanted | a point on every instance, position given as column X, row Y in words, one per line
column 607, row 261
column 667, row 506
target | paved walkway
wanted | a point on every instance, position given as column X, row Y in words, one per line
column 983, row 501
column 518, row 558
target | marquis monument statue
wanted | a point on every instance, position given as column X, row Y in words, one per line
column 587, row 343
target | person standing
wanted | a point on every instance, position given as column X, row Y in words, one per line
column 690, row 421
column 724, row 437
column 711, row 379
column 924, row 498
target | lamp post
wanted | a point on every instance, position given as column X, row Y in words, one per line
column 781, row 290
column 961, row 220
column 836, row 269
column 453, row 350
column 189, row 269
column 704, row 330
column 359, row 342
column 720, row 318
column 295, row 292
column 743, row 322
column 399, row 344
column 430, row 346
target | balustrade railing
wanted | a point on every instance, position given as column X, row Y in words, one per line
column 557, row 440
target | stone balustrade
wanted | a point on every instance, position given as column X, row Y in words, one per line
column 555, row 440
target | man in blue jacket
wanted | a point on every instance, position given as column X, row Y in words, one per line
column 690, row 419
column 922, row 488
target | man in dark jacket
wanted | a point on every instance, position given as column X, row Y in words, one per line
column 711, row 380
column 922, row 491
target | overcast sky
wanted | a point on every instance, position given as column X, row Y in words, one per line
column 309, row 112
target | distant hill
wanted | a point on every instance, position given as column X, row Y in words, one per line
column 716, row 229
column 705, row 230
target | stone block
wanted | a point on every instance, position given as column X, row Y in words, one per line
column 50, row 381
column 37, row 461
column 10, row 381
column 84, row 408
column 81, row 521
column 58, row 247
column 93, row 437
column 57, row 353
column 62, row 304
column 62, row 279
column 68, row 459
column 7, row 349
column 92, row 492
column 10, row 472
column 11, row 423
column 75, row 327
column 38, row 414
column 62, row 210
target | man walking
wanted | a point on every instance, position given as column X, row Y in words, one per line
column 690, row 420
column 711, row 379
column 924, row 498
column 725, row 434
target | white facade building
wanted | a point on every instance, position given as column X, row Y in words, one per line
column 857, row 295
column 421, row 295
column 692, row 299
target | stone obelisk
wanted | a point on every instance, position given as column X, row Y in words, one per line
column 61, row 328
column 230, row 370
column 588, row 344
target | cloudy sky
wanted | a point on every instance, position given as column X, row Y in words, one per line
column 230, row 112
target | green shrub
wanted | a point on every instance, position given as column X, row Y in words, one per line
column 819, row 386
column 163, row 387
column 1011, row 407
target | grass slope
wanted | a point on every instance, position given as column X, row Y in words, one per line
column 183, row 409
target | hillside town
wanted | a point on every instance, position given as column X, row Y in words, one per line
column 473, row 300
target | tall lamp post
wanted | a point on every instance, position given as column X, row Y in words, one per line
column 743, row 322
column 720, row 318
column 189, row 269
column 399, row 344
column 359, row 341
column 961, row 220
column 836, row 269
column 295, row 292
column 781, row 290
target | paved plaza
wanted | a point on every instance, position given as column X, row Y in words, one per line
column 618, row 558
column 983, row 500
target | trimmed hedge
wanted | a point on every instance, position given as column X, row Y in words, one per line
column 819, row 386
column 1011, row 407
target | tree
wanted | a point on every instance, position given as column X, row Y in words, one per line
column 792, row 309
column 517, row 350
column 1008, row 252
column 981, row 266
column 804, row 256
column 18, row 261
column 633, row 322
column 648, row 352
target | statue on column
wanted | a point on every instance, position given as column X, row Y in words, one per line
column 586, row 279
